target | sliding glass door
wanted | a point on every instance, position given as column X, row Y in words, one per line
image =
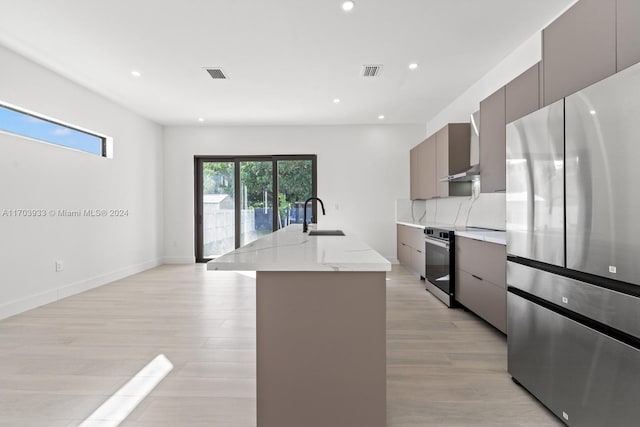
column 217, row 205
column 240, row 199
column 295, row 185
column 256, row 200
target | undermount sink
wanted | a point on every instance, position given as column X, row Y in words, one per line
column 326, row 233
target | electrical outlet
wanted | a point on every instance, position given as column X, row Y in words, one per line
column 59, row 266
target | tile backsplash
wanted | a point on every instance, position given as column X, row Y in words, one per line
column 489, row 210
column 486, row 210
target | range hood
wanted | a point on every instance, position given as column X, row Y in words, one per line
column 473, row 173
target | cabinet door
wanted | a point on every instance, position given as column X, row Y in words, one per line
column 414, row 166
column 442, row 161
column 493, row 143
column 579, row 48
column 459, row 148
column 427, row 157
column 628, row 33
column 522, row 94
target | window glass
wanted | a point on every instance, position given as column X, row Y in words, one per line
column 24, row 124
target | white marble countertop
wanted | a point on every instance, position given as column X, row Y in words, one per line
column 433, row 225
column 411, row 224
column 290, row 249
column 491, row 236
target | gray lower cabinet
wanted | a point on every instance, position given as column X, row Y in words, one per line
column 404, row 253
column 418, row 262
column 628, row 33
column 411, row 249
column 481, row 279
column 579, row 48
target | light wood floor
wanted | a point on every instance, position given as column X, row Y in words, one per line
column 59, row 362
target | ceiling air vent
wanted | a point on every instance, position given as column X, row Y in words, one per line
column 371, row 70
column 216, row 73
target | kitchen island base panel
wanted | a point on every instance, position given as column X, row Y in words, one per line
column 321, row 349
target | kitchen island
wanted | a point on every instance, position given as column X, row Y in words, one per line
column 321, row 328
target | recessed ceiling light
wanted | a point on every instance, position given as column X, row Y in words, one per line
column 413, row 66
column 592, row 112
column 348, row 5
column 135, row 73
column 200, row 119
column 336, row 100
column 381, row 117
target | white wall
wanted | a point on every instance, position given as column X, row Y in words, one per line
column 362, row 170
column 525, row 56
column 36, row 175
column 489, row 209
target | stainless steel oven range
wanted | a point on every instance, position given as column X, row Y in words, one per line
column 440, row 263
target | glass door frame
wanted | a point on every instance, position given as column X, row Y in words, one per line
column 198, row 162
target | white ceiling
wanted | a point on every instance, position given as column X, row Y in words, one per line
column 287, row 59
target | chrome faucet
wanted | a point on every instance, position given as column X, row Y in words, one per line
column 305, row 227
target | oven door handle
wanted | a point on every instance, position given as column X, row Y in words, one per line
column 437, row 243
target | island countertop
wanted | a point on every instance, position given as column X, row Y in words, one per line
column 290, row 249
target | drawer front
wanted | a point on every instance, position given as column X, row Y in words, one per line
column 418, row 262
column 403, row 233
column 484, row 259
column 404, row 255
column 484, row 298
column 572, row 369
column 416, row 239
column 615, row 309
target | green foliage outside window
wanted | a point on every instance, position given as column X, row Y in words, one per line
column 294, row 179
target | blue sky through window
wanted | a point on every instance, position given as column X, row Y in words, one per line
column 33, row 127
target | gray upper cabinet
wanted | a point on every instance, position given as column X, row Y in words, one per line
column 423, row 170
column 413, row 173
column 579, row 48
column 427, row 175
column 442, row 161
column 442, row 154
column 452, row 153
column 523, row 94
column 628, row 33
column 493, row 143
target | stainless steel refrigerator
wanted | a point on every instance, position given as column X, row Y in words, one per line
column 573, row 245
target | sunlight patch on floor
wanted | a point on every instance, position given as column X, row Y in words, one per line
column 118, row 407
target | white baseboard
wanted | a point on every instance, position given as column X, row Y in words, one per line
column 94, row 282
column 178, row 260
column 24, row 304
column 21, row 305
